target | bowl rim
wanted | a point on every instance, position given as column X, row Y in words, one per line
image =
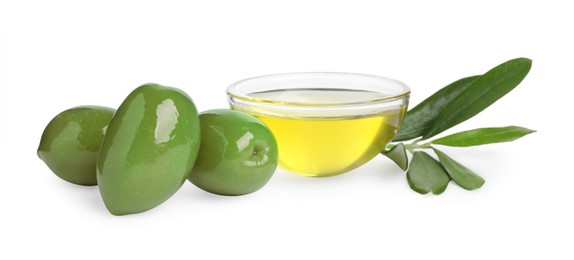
column 233, row 93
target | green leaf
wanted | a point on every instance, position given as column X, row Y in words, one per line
column 419, row 119
column 398, row 154
column 480, row 94
column 426, row 175
column 482, row 136
column 458, row 173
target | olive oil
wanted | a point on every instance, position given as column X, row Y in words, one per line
column 323, row 138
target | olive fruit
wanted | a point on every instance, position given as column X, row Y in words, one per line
column 150, row 147
column 71, row 141
column 238, row 153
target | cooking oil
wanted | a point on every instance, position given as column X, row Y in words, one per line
column 323, row 132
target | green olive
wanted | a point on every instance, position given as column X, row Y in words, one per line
column 238, row 153
column 71, row 141
column 149, row 149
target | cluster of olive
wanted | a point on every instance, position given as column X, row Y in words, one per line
column 141, row 154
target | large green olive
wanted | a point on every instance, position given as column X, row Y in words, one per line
column 238, row 153
column 71, row 141
column 149, row 149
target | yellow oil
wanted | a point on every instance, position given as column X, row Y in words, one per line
column 313, row 145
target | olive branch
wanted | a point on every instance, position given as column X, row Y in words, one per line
column 446, row 108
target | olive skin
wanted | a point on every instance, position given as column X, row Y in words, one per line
column 238, row 153
column 71, row 142
column 149, row 149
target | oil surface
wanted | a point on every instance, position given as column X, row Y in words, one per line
column 314, row 145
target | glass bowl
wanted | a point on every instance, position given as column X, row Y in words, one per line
column 325, row 123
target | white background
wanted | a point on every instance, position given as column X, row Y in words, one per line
column 60, row 54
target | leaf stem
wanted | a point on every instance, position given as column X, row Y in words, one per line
column 415, row 145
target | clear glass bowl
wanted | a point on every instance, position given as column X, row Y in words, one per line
column 325, row 123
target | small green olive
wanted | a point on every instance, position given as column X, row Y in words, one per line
column 238, row 153
column 71, row 141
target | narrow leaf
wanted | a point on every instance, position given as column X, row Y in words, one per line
column 419, row 119
column 482, row 136
column 398, row 154
column 458, row 173
column 426, row 175
column 480, row 94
